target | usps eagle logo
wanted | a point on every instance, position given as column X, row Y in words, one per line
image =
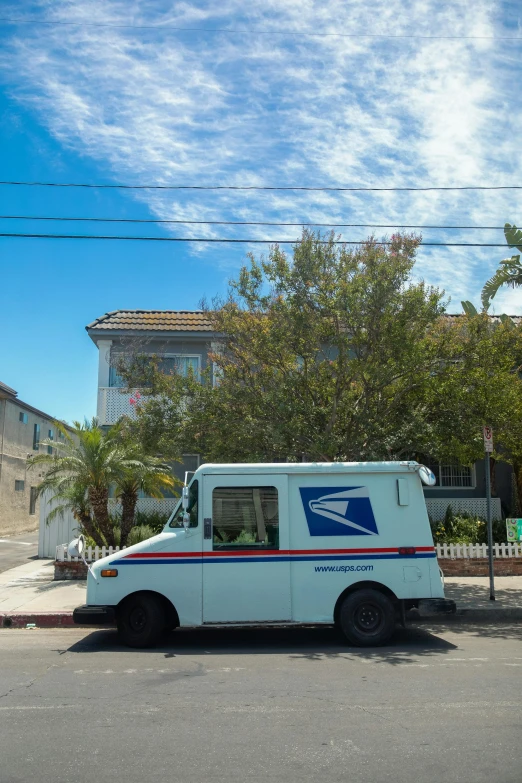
column 338, row 511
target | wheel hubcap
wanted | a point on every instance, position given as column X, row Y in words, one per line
column 368, row 618
column 137, row 619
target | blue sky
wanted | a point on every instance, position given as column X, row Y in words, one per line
column 116, row 104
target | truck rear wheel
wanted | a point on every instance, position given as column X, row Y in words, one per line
column 141, row 620
column 367, row 618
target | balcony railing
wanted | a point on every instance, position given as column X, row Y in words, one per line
column 113, row 403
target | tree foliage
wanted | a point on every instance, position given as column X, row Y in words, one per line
column 83, row 468
column 510, row 269
column 340, row 354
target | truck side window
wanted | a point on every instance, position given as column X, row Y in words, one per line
column 245, row 517
column 192, row 508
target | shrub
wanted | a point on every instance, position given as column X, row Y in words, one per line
column 156, row 520
column 140, row 533
column 464, row 528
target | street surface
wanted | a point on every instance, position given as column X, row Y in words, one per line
column 282, row 705
column 16, row 550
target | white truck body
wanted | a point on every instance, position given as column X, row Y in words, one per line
column 280, row 543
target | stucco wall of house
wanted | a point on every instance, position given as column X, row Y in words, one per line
column 16, row 444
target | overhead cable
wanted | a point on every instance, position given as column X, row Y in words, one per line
column 254, row 31
column 318, row 223
column 252, row 187
column 245, row 241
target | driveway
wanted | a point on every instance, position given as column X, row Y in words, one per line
column 17, row 550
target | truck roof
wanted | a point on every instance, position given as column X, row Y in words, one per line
column 309, row 467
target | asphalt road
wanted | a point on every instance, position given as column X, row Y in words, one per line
column 261, row 705
column 17, row 550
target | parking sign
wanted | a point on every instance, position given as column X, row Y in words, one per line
column 488, row 439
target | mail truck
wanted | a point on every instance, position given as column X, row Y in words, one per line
column 283, row 543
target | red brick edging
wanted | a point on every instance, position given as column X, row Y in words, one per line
column 479, row 566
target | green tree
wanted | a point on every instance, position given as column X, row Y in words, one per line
column 327, row 354
column 510, row 270
column 481, row 385
column 90, row 460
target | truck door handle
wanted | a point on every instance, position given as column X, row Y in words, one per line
column 207, row 527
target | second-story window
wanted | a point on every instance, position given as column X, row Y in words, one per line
column 36, row 437
column 23, row 417
column 51, row 437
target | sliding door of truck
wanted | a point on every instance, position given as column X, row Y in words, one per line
column 246, row 570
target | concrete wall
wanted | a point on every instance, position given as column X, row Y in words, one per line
column 16, row 444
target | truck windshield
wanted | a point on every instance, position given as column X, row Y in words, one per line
column 177, row 520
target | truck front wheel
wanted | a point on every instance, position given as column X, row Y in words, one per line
column 141, row 620
column 367, row 618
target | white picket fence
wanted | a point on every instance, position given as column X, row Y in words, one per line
column 453, row 551
column 91, row 554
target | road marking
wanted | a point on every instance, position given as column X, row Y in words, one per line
column 22, row 543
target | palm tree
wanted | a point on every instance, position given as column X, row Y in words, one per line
column 88, row 458
column 510, row 270
column 149, row 475
column 75, row 499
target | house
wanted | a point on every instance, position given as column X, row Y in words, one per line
column 184, row 338
column 22, row 427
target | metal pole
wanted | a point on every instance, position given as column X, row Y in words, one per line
column 490, row 528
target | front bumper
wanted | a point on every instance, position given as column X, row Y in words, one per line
column 94, row 615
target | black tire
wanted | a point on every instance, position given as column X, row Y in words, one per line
column 141, row 620
column 367, row 618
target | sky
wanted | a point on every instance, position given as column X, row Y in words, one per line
column 235, row 93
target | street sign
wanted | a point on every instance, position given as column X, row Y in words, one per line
column 488, row 439
column 514, row 529
column 488, row 448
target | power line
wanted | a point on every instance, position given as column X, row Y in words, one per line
column 226, row 240
column 252, row 187
column 228, row 31
column 244, row 222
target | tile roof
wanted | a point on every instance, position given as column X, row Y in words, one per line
column 153, row 320
column 517, row 319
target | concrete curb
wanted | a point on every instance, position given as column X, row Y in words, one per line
column 485, row 616
column 461, row 616
column 36, row 620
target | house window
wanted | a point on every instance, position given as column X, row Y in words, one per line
column 452, row 474
column 19, row 485
column 23, row 417
column 169, row 364
column 32, row 501
column 36, row 437
column 51, row 437
column 180, row 365
column 245, row 517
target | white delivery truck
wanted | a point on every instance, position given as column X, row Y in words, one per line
column 284, row 543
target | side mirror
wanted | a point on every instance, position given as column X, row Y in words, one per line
column 77, row 547
column 427, row 476
column 184, row 498
column 186, row 520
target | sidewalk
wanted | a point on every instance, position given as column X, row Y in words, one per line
column 29, row 595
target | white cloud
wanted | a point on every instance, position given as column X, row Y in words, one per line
column 157, row 106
